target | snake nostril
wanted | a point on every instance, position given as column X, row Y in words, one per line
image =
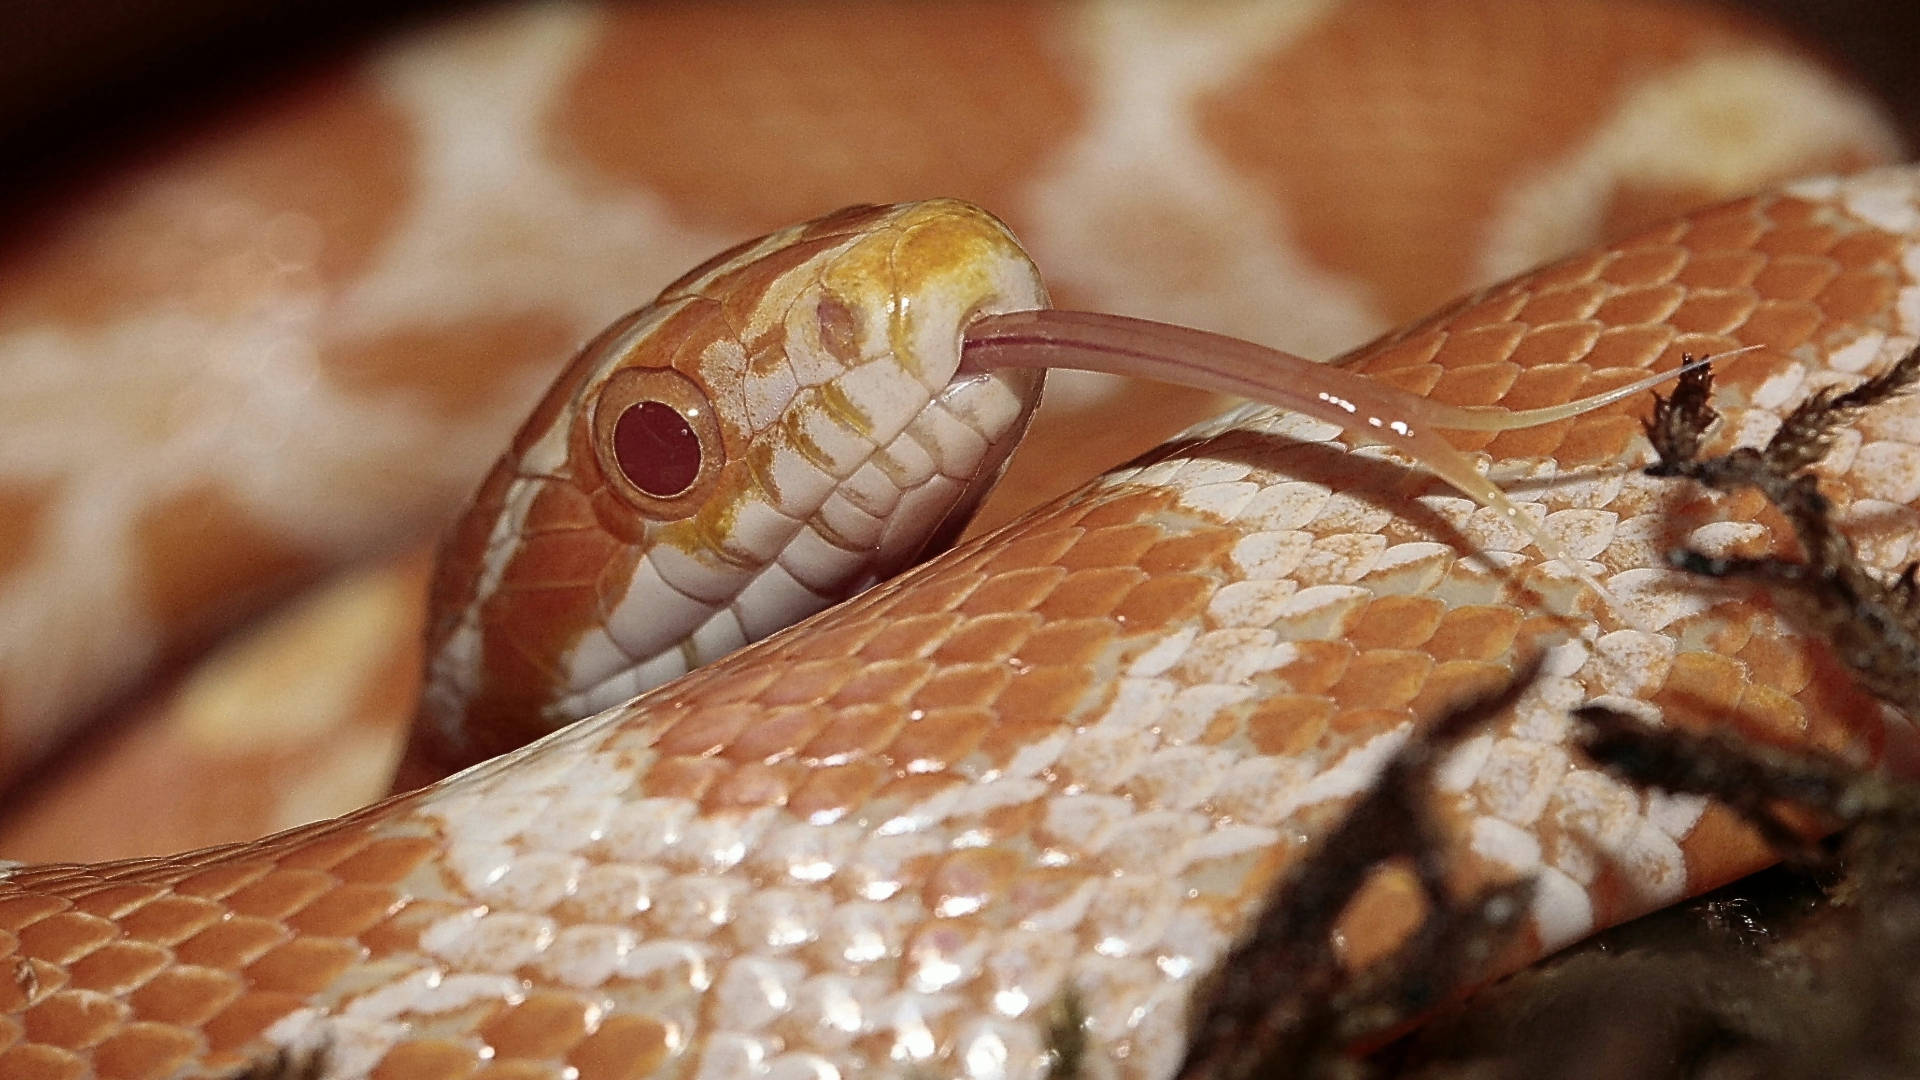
column 656, row 448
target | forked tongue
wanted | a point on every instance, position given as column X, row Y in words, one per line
column 1363, row 408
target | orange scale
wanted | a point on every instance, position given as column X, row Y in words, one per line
column 1477, row 632
column 742, row 685
column 280, row 894
column 1041, row 549
column 1067, row 642
column 1016, row 590
column 428, row 1059
column 386, row 860
column 1580, row 269
column 75, row 1019
column 1726, row 629
column 1474, row 346
column 1379, row 917
column 1701, row 688
column 1597, row 440
column 684, row 777
column 347, row 910
column 856, row 731
column 1538, row 441
column 187, row 996
column 1454, row 681
column 17, row 912
column 1554, row 347
column 938, row 739
column 1163, row 601
column 1866, row 248
column 233, row 943
column 305, row 965
column 623, row 1047
column 1351, row 725
column 1316, row 665
column 1110, row 545
column 1120, row 506
column 171, row 919
column 65, row 937
column 885, row 681
column 1639, row 347
column 829, row 791
column 1204, row 549
column 1795, row 277
column 1778, row 716
column 221, row 881
column 145, row 1051
column 1289, row 724
column 911, row 790
column 1477, row 384
column 986, row 638
column 708, row 730
column 1781, row 324
column 1494, row 312
column 1721, row 269
column 911, row 636
column 965, row 880
column 1651, row 304
column 963, row 684
column 1713, row 311
column 1777, row 662
column 1645, row 264
column 1798, row 238
column 928, row 596
column 399, row 930
column 520, row 1070
column 117, row 967
column 1734, row 227
column 1396, row 622
column 1091, row 593
column 1418, row 381
column 115, row 901
column 1413, row 351
column 1567, row 303
column 1382, row 678
column 846, row 639
column 328, row 845
column 544, row 1025
column 1858, row 295
column 37, row 1061
column 1043, row 695
column 810, row 682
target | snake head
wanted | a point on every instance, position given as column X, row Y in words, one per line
column 782, row 427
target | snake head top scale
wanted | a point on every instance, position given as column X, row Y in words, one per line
column 781, row 427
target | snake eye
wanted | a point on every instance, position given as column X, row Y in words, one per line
column 657, row 440
column 656, row 448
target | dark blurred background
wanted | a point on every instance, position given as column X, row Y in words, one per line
column 80, row 77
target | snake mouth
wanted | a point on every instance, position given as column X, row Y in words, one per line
column 967, row 395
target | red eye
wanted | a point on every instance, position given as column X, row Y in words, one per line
column 658, row 441
column 656, row 448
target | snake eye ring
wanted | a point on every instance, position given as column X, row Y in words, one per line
column 657, row 441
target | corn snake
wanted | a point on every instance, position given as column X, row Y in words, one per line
column 1343, row 517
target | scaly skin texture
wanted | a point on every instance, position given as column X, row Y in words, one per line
column 298, row 330
column 1075, row 753
column 841, row 436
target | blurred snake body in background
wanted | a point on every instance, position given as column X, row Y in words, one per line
column 1070, row 756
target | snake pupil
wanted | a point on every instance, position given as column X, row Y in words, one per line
column 656, row 448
